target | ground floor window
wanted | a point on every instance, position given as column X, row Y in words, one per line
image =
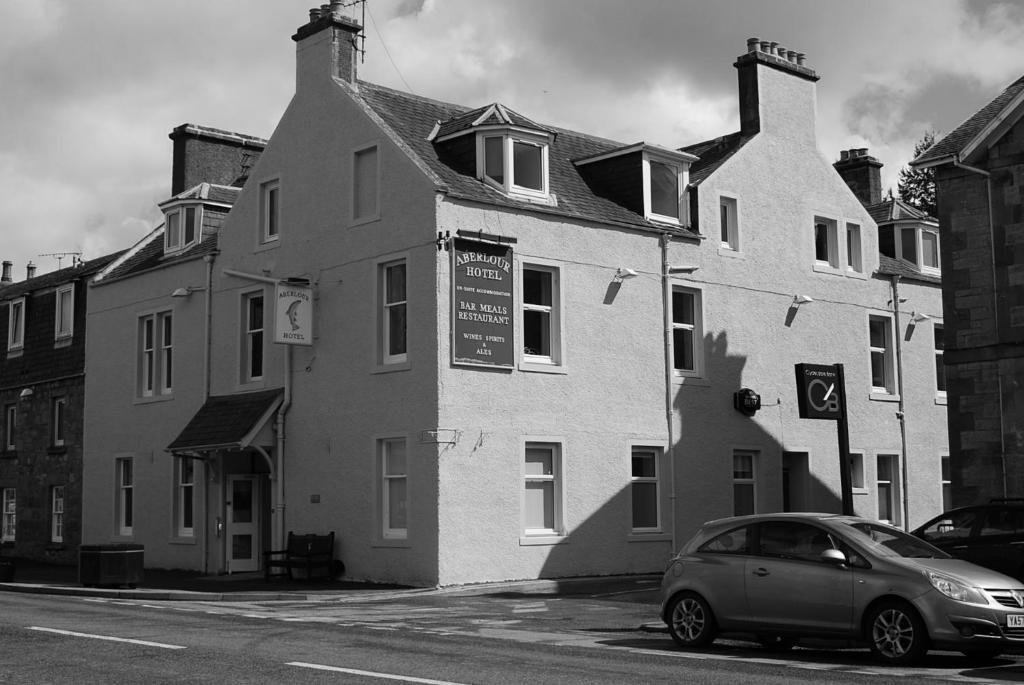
column 394, row 489
column 645, row 489
column 57, row 513
column 888, row 489
column 125, row 495
column 947, row 485
column 744, row 482
column 542, row 505
column 185, row 499
column 10, row 520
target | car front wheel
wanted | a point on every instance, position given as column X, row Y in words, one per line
column 690, row 621
column 896, row 633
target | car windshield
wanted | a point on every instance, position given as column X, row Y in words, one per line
column 890, row 541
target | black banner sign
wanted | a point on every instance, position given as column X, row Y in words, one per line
column 482, row 304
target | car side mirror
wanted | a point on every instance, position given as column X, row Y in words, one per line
column 834, row 556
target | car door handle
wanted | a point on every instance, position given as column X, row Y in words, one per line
column 761, row 572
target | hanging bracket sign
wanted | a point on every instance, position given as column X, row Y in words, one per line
column 293, row 314
column 482, row 304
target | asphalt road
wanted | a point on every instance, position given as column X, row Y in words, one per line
column 505, row 637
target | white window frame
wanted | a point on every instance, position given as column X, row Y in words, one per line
column 946, row 479
column 744, row 481
column 361, row 174
column 16, row 324
column 9, row 522
column 887, row 353
column 10, row 426
column 58, row 425
column 384, row 308
column 253, row 337
column 64, row 312
column 831, row 262
column 270, row 214
column 508, row 185
column 57, row 513
column 185, row 496
column 682, row 178
column 554, row 479
column 536, row 360
column 917, row 259
column 124, row 483
column 940, row 353
column 391, row 477
column 854, row 248
column 154, row 370
column 695, row 328
column 175, row 241
column 728, row 223
column 645, row 481
column 890, row 479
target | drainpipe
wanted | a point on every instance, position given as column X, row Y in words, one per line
column 208, row 298
column 666, row 296
column 995, row 299
column 900, row 412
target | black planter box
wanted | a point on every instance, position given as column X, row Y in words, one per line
column 118, row 565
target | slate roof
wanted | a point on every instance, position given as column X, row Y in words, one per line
column 887, row 266
column 499, row 115
column 897, row 210
column 966, row 132
column 411, row 119
column 713, row 154
column 225, row 420
column 55, row 278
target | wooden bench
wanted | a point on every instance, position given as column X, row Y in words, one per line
column 310, row 553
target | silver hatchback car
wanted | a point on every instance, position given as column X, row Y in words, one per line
column 780, row 577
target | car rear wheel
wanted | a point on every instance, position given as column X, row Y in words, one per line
column 690, row 621
column 897, row 634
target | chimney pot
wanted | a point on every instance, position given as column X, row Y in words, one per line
column 791, row 55
column 764, row 45
column 800, row 58
column 5, row 277
column 314, row 14
column 30, row 270
column 752, row 44
column 844, row 155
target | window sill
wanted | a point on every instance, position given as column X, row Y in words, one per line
column 181, row 540
column 648, row 537
column 62, row 342
column 941, row 399
column 822, row 268
column 851, row 273
column 154, row 399
column 540, row 540
column 396, row 542
column 57, row 449
column 860, row 491
column 731, row 253
column 541, row 367
column 267, row 245
column 15, row 353
column 695, row 381
column 883, row 397
column 389, row 368
column 362, row 221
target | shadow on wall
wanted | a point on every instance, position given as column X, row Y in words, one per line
column 706, row 485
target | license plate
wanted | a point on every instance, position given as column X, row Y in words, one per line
column 1015, row 621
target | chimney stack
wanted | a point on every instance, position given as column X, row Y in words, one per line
column 6, row 277
column 327, row 45
column 862, row 173
column 776, row 91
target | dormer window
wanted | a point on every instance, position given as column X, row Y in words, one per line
column 181, row 228
column 920, row 247
column 515, row 163
column 663, row 182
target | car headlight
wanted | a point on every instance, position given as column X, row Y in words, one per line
column 954, row 589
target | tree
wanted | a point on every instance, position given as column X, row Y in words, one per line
column 917, row 186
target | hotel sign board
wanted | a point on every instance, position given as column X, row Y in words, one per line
column 482, row 304
column 293, row 314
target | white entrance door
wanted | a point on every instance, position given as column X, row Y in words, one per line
column 243, row 529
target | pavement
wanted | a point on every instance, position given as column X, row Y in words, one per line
column 172, row 585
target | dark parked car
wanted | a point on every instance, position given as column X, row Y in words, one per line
column 990, row 535
column 784, row 576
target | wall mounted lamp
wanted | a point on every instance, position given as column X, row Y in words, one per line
column 26, row 393
column 801, row 299
column 683, row 269
column 622, row 273
column 918, row 317
column 187, row 291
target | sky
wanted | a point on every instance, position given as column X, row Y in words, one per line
column 89, row 91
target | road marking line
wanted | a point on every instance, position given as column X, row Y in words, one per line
column 371, row 674
column 71, row 633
